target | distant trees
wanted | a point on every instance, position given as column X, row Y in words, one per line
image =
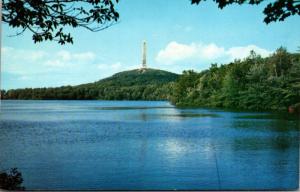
column 278, row 10
column 128, row 85
column 281, row 61
column 50, row 19
column 253, row 83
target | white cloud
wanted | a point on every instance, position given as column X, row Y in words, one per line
column 55, row 63
column 67, row 59
column 87, row 56
column 114, row 66
column 25, row 62
column 243, row 52
column 63, row 55
column 210, row 51
column 35, row 68
column 176, row 52
column 24, row 78
column 28, row 55
column 197, row 52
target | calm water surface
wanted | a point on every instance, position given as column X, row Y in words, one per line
column 146, row 145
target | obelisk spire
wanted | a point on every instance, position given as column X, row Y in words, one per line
column 144, row 55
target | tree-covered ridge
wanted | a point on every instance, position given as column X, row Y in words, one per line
column 147, row 84
column 253, row 83
column 139, row 77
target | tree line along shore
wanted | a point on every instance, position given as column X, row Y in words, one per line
column 254, row 83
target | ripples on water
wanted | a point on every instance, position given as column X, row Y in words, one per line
column 147, row 145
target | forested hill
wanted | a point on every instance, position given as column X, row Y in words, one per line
column 139, row 77
column 255, row 83
column 147, row 84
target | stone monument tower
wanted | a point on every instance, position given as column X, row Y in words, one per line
column 144, row 55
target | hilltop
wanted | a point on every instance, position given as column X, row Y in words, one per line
column 254, row 83
column 137, row 84
column 139, row 77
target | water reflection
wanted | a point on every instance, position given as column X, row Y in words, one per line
column 190, row 115
column 276, row 125
column 144, row 147
column 175, row 148
column 266, row 149
column 133, row 107
column 281, row 116
column 262, row 143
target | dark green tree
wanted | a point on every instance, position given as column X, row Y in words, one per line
column 281, row 61
column 49, row 19
column 11, row 180
column 278, row 10
column 250, row 83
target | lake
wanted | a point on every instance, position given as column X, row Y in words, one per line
column 147, row 145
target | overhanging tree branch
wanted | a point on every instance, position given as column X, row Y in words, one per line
column 278, row 10
column 47, row 19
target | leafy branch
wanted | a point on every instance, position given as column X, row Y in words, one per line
column 48, row 19
column 278, row 10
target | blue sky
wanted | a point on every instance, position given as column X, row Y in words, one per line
column 179, row 35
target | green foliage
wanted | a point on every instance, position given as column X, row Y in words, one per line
column 148, row 84
column 48, row 19
column 11, row 180
column 277, row 10
column 254, row 83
